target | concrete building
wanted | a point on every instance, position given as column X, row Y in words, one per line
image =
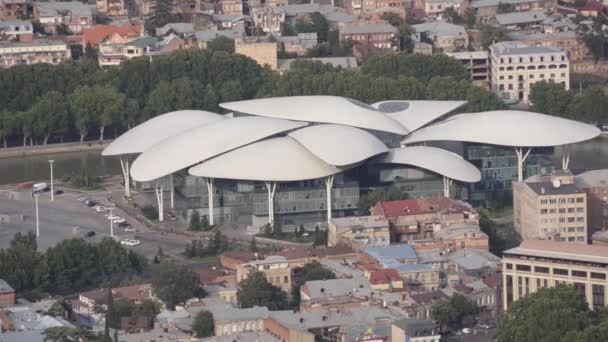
column 536, row 264
column 17, row 30
column 595, row 184
column 263, row 52
column 516, row 66
column 13, row 9
column 418, row 277
column 380, row 36
column 74, row 15
column 445, row 36
column 275, row 268
column 7, row 294
column 234, row 7
column 486, row 10
column 299, row 44
column 268, row 18
column 460, row 236
column 521, row 20
column 359, row 231
column 477, row 63
column 385, row 280
column 112, row 8
column 435, row 8
column 565, row 41
column 415, row 331
column 551, row 209
column 38, row 51
column 231, row 321
column 93, row 36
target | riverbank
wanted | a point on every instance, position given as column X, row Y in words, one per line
column 26, row 151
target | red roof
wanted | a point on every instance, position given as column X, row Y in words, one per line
column 94, row 35
column 384, row 276
column 400, row 208
column 422, row 206
column 593, row 5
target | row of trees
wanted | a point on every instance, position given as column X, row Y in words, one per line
column 217, row 245
column 70, row 266
column 551, row 98
column 42, row 102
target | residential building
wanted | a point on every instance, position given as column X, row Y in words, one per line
column 521, row 20
column 359, row 231
column 13, row 9
column 380, row 36
column 536, row 264
column 112, row 8
column 550, row 209
column 516, row 66
column 565, row 41
column 435, row 8
column 17, row 30
column 482, row 292
column 59, row 16
column 593, row 8
column 477, row 63
column 203, row 37
column 7, row 294
column 223, row 291
column 418, row 277
column 234, row 7
column 299, row 44
column 93, row 36
column 230, row 321
column 117, row 49
column 390, row 255
column 25, row 323
column 595, row 184
column 394, row 6
column 312, row 293
column 423, row 48
column 474, row 263
column 181, row 29
column 486, row 10
column 424, row 303
column 385, row 280
column 269, row 19
column 415, row 331
column 236, row 22
column 460, row 236
column 445, row 36
column 38, row 51
column 263, row 52
column 275, row 268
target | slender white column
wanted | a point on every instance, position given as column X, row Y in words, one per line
column 124, row 165
column 172, row 191
column 52, row 181
column 447, row 185
column 209, row 182
column 37, row 220
column 329, row 183
column 271, row 187
column 111, row 223
column 159, row 199
column 521, row 158
column 566, row 159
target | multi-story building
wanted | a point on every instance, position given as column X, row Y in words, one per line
column 380, row 36
column 229, row 321
column 415, row 331
column 17, row 30
column 566, row 41
column 299, row 44
column 93, row 36
column 74, row 16
column 234, row 7
column 537, row 264
column 396, row 6
column 269, row 19
column 275, row 268
column 595, row 184
column 460, row 236
column 13, row 9
column 477, row 63
column 116, row 49
column 112, row 8
column 551, row 209
column 359, row 231
column 7, row 295
column 445, row 36
column 516, row 66
column 435, row 8
column 38, row 51
column 486, row 10
column 262, row 51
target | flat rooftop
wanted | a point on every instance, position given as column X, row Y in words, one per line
column 548, row 189
column 561, row 250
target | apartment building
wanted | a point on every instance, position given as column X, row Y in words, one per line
column 359, row 231
column 595, row 184
column 17, row 30
column 13, row 9
column 38, row 51
column 537, row 264
column 486, row 10
column 516, row 66
column 445, row 36
column 75, row 16
column 435, row 8
column 275, row 268
column 477, row 63
column 112, row 8
column 269, row 19
column 550, row 209
column 234, row 7
column 380, row 36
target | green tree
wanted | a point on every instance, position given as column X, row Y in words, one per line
column 195, row 221
column 221, row 44
column 591, row 106
column 174, row 283
column 452, row 313
column 96, row 105
column 491, row 228
column 50, row 113
column 492, row 34
column 309, row 272
column 444, row 314
column 253, row 246
column 72, row 265
column 26, row 126
column 162, row 14
column 549, row 98
column 67, row 334
column 418, row 66
column 202, row 326
column 8, row 125
column 22, row 266
column 112, row 258
column 256, row 290
column 317, row 23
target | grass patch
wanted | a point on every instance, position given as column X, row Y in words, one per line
column 501, row 212
column 204, row 260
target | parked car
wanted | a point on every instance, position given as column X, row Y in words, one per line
column 124, row 225
column 81, row 198
column 59, row 192
column 130, row 230
column 90, row 203
column 112, row 217
column 466, row 331
column 40, row 187
column 130, row 243
column 89, row 234
column 101, row 209
column 118, row 220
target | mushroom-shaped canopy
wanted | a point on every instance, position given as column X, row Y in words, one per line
column 433, row 159
column 145, row 135
column 198, row 144
column 322, row 109
column 279, row 159
column 339, row 145
column 507, row 128
column 415, row 114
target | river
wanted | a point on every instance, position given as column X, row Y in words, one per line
column 589, row 155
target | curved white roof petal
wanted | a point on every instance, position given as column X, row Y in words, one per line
column 507, row 128
column 415, row 114
column 204, row 142
column 434, row 159
column 339, row 145
column 323, row 109
column 143, row 136
column 277, row 159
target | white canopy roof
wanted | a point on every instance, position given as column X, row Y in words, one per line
column 415, row 114
column 339, row 145
column 324, row 109
column 276, row 159
column 143, row 136
column 204, row 142
column 507, row 128
column 434, row 159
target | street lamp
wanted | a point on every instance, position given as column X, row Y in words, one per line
column 37, row 221
column 51, row 161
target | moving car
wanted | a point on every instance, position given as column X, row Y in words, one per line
column 119, row 220
column 129, row 242
column 40, row 187
column 89, row 234
column 130, row 229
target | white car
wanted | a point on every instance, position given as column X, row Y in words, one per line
column 130, row 230
column 130, row 243
column 100, row 208
column 113, row 217
column 118, row 220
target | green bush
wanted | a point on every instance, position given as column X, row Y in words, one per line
column 149, row 212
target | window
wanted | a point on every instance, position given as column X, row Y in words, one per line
column 571, row 239
column 580, row 229
column 562, row 210
column 510, row 77
column 570, row 229
column 580, row 200
column 531, row 77
column 580, row 274
column 595, row 275
column 570, row 219
column 580, row 210
column 540, row 269
column 560, row 271
column 543, row 201
column 580, row 219
column 510, row 87
column 509, row 266
column 524, row 268
column 286, row 279
column 501, row 78
column 542, row 75
column 598, row 296
column 543, row 211
column 570, row 210
column 580, row 238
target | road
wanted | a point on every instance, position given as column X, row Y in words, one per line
column 66, row 217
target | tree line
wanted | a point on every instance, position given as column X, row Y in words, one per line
column 70, row 266
column 44, row 103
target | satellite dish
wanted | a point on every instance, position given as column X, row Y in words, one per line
column 556, row 183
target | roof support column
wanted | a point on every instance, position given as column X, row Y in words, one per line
column 159, row 200
column 172, row 191
column 271, row 187
column 210, row 192
column 566, row 158
column 329, row 183
column 124, row 165
column 447, row 184
column 521, row 158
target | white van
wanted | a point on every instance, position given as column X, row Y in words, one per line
column 40, row 187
